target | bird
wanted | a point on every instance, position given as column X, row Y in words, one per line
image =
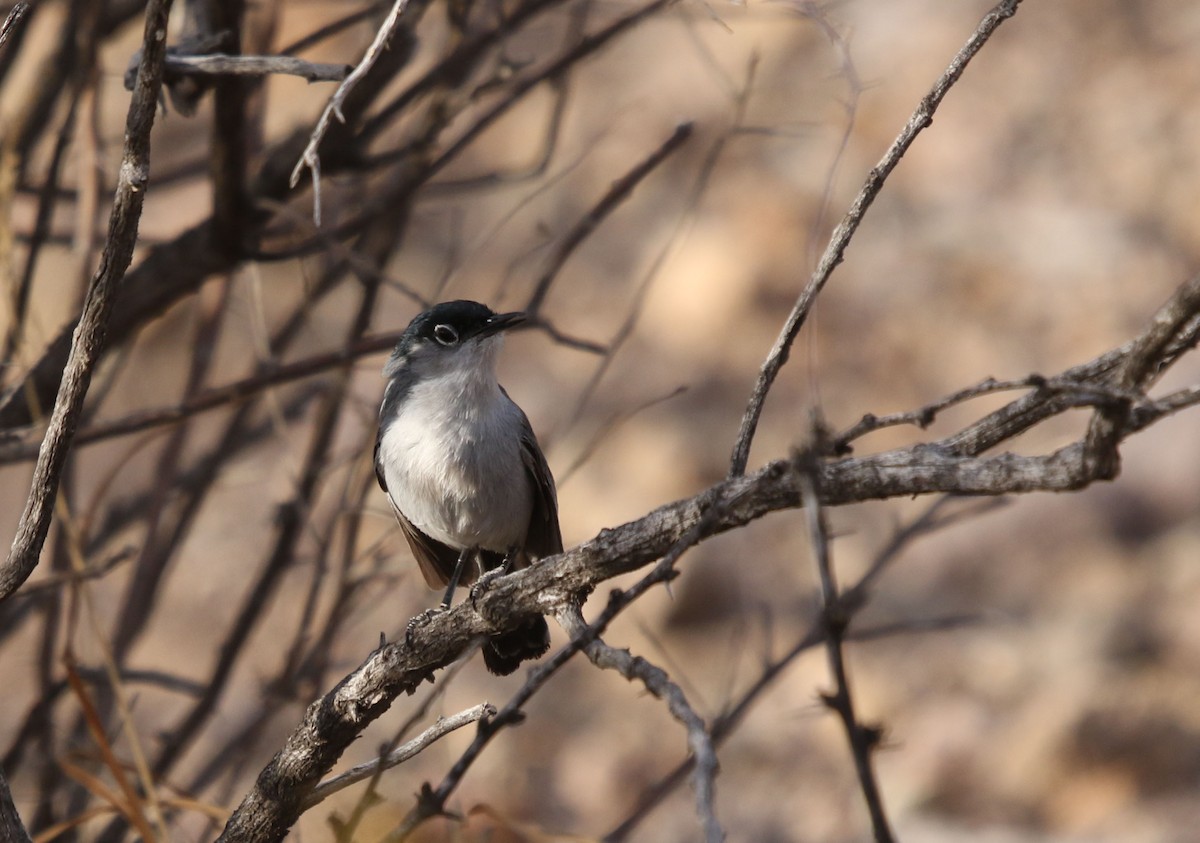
column 461, row 466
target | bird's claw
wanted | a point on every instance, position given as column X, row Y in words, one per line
column 421, row 620
column 481, row 584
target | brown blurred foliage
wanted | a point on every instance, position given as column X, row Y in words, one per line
column 230, row 568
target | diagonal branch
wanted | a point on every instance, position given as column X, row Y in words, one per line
column 310, row 158
column 618, row 191
column 90, row 335
column 409, row 749
column 13, row 20
column 836, row 250
column 657, row 682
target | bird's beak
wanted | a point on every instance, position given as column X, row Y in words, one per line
column 501, row 322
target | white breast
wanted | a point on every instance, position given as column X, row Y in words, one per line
column 452, row 462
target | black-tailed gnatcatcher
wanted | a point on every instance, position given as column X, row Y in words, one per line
column 460, row 464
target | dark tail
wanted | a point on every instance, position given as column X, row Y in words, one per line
column 504, row 653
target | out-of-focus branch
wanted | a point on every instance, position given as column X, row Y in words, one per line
column 175, row 269
column 222, row 396
column 222, row 65
column 12, row 829
column 617, row 193
column 835, row 251
column 90, row 335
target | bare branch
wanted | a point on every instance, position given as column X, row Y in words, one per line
column 657, row 682
column 11, row 827
column 310, row 158
column 835, row 618
column 402, row 753
column 13, row 20
column 834, row 252
column 725, row 723
column 89, row 340
column 617, row 193
column 222, row 396
column 222, row 65
column 1073, row 393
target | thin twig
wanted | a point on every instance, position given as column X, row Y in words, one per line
column 921, row 118
column 432, row 802
column 658, row 683
column 682, row 226
column 606, row 429
column 724, row 724
column 836, row 620
column 311, row 156
column 617, row 193
column 222, row 65
column 221, row 396
column 402, row 753
column 89, row 339
column 520, row 88
column 14, row 18
column 1076, row 392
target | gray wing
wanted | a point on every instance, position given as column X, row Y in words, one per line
column 544, row 537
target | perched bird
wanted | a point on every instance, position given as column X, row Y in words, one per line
column 461, row 466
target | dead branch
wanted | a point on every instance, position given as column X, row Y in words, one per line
column 90, row 336
column 222, row 65
column 410, row 749
column 13, row 20
column 658, row 683
column 921, row 119
column 835, row 621
column 310, row 158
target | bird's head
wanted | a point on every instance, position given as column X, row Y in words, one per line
column 450, row 337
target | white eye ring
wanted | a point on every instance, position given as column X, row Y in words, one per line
column 445, row 335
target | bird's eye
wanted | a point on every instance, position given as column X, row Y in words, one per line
column 445, row 335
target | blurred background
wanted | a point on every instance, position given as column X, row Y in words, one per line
column 234, row 566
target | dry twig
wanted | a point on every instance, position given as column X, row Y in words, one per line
column 835, row 251
column 89, row 339
column 311, row 156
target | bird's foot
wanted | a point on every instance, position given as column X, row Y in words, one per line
column 484, row 581
column 421, row 620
